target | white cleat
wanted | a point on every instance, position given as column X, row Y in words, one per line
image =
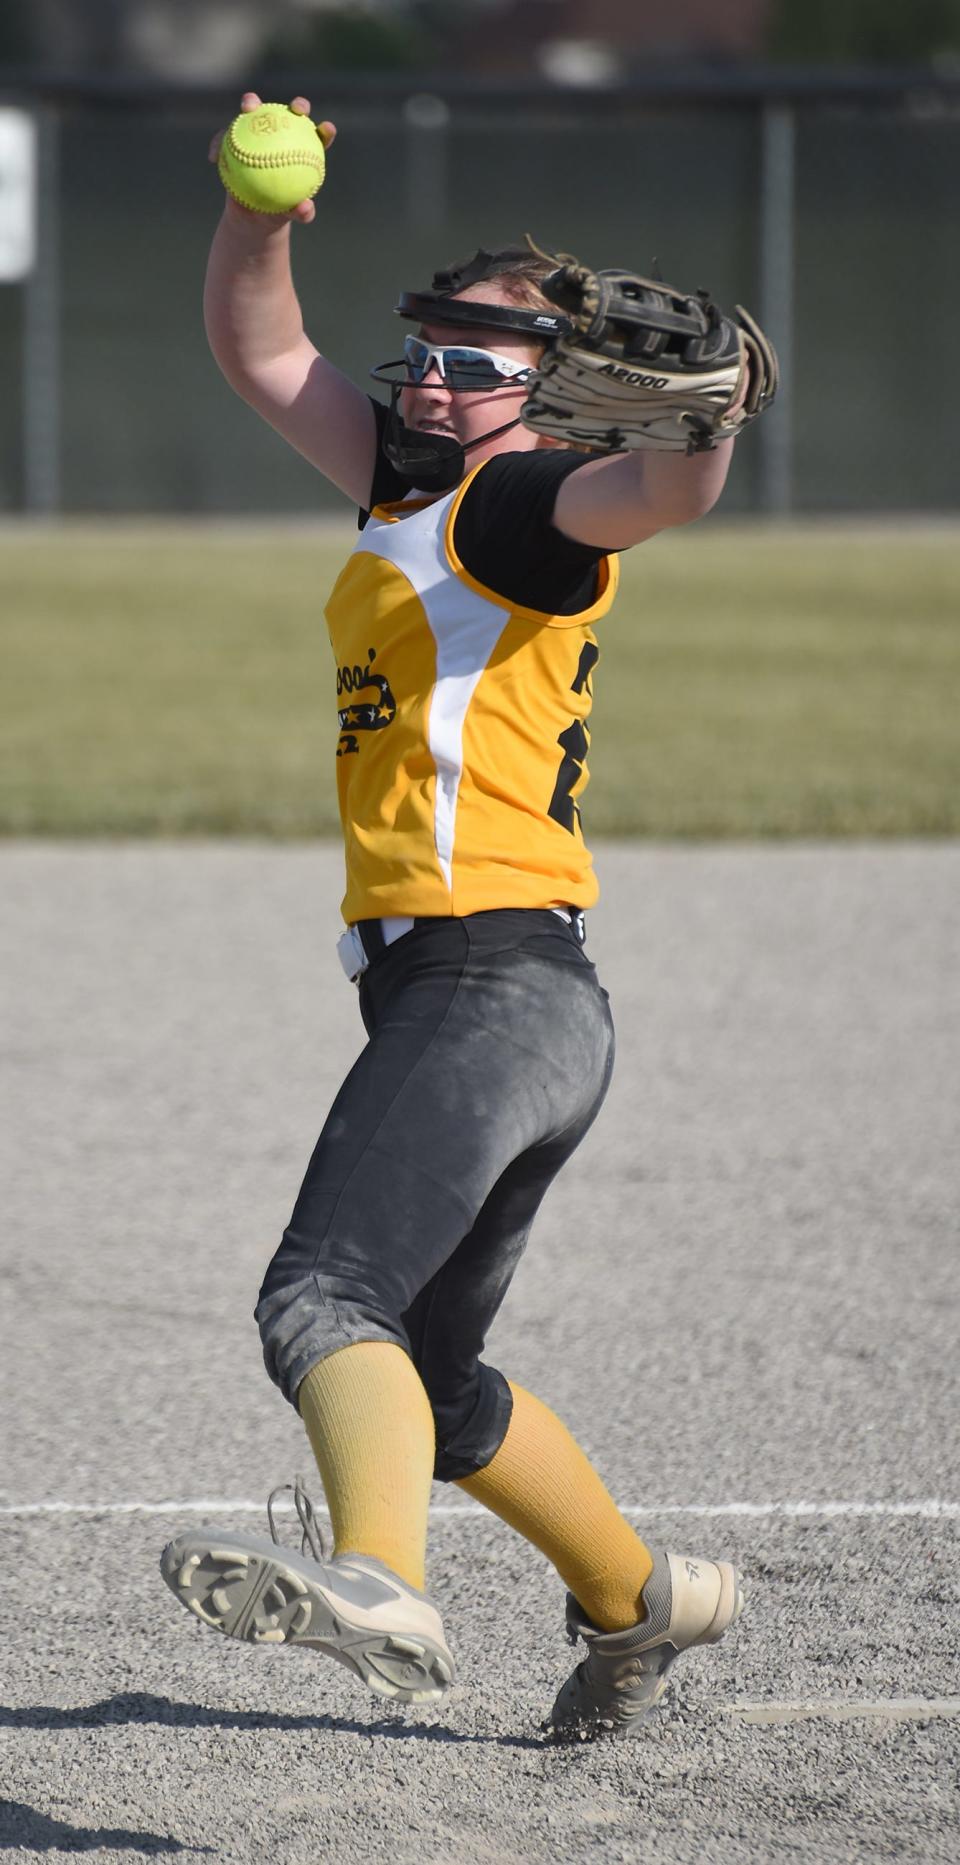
column 688, row 1602
column 352, row 1607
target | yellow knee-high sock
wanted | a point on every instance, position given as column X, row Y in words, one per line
column 542, row 1484
column 371, row 1430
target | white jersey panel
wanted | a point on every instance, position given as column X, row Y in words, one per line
column 466, row 628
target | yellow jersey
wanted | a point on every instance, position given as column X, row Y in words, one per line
column 463, row 726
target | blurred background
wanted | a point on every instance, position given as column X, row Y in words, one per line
column 801, row 156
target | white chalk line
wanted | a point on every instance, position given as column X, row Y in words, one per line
column 772, row 1713
column 842, row 1710
column 929, row 1508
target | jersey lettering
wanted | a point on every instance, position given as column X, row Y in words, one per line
column 368, row 715
column 574, row 742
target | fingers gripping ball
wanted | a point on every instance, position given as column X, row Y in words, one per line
column 271, row 159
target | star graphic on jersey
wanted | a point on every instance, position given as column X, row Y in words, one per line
column 384, row 712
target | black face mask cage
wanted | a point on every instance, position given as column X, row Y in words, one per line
column 436, row 462
column 429, row 462
column 434, row 307
column 441, row 305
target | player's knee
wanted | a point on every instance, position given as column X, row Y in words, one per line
column 304, row 1320
column 470, row 1419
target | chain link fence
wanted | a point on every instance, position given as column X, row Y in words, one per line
column 830, row 213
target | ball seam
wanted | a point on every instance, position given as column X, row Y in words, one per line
column 294, row 158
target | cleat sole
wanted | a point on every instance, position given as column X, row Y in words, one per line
column 258, row 1597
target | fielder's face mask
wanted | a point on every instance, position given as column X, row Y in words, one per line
column 436, row 462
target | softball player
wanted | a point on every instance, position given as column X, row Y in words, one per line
column 464, row 629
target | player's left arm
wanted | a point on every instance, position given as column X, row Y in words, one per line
column 656, row 382
column 615, row 502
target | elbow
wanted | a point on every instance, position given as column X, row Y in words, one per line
column 687, row 512
column 699, row 492
column 232, row 373
column 223, row 353
column 229, row 361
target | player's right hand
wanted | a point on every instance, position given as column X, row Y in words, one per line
column 305, row 211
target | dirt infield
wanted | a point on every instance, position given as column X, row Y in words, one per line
column 743, row 1295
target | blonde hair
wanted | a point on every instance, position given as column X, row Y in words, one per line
column 517, row 270
column 520, row 274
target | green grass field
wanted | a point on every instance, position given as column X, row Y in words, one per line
column 753, row 681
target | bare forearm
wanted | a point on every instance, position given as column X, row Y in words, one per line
column 250, row 306
column 679, row 486
column 627, row 497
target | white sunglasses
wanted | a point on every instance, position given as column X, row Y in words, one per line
column 459, row 366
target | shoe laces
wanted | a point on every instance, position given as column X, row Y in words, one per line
column 311, row 1539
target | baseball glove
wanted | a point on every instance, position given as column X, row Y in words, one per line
column 647, row 366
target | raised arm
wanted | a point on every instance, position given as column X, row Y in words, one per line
column 627, row 497
column 255, row 329
column 659, row 382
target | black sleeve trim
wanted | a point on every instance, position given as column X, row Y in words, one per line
column 386, row 484
column 505, row 536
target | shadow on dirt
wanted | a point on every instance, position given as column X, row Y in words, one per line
column 29, row 1831
column 140, row 1707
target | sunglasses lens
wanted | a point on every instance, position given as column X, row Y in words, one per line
column 461, row 367
column 418, row 357
column 472, row 369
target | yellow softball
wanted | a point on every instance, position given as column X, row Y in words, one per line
column 272, row 158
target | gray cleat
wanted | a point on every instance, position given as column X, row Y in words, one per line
column 688, row 1602
column 351, row 1606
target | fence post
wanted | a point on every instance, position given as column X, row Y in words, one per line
column 426, row 121
column 41, row 332
column 776, row 308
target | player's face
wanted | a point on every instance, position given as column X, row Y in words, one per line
column 432, row 407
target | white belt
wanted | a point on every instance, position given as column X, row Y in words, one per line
column 350, row 948
column 354, row 958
